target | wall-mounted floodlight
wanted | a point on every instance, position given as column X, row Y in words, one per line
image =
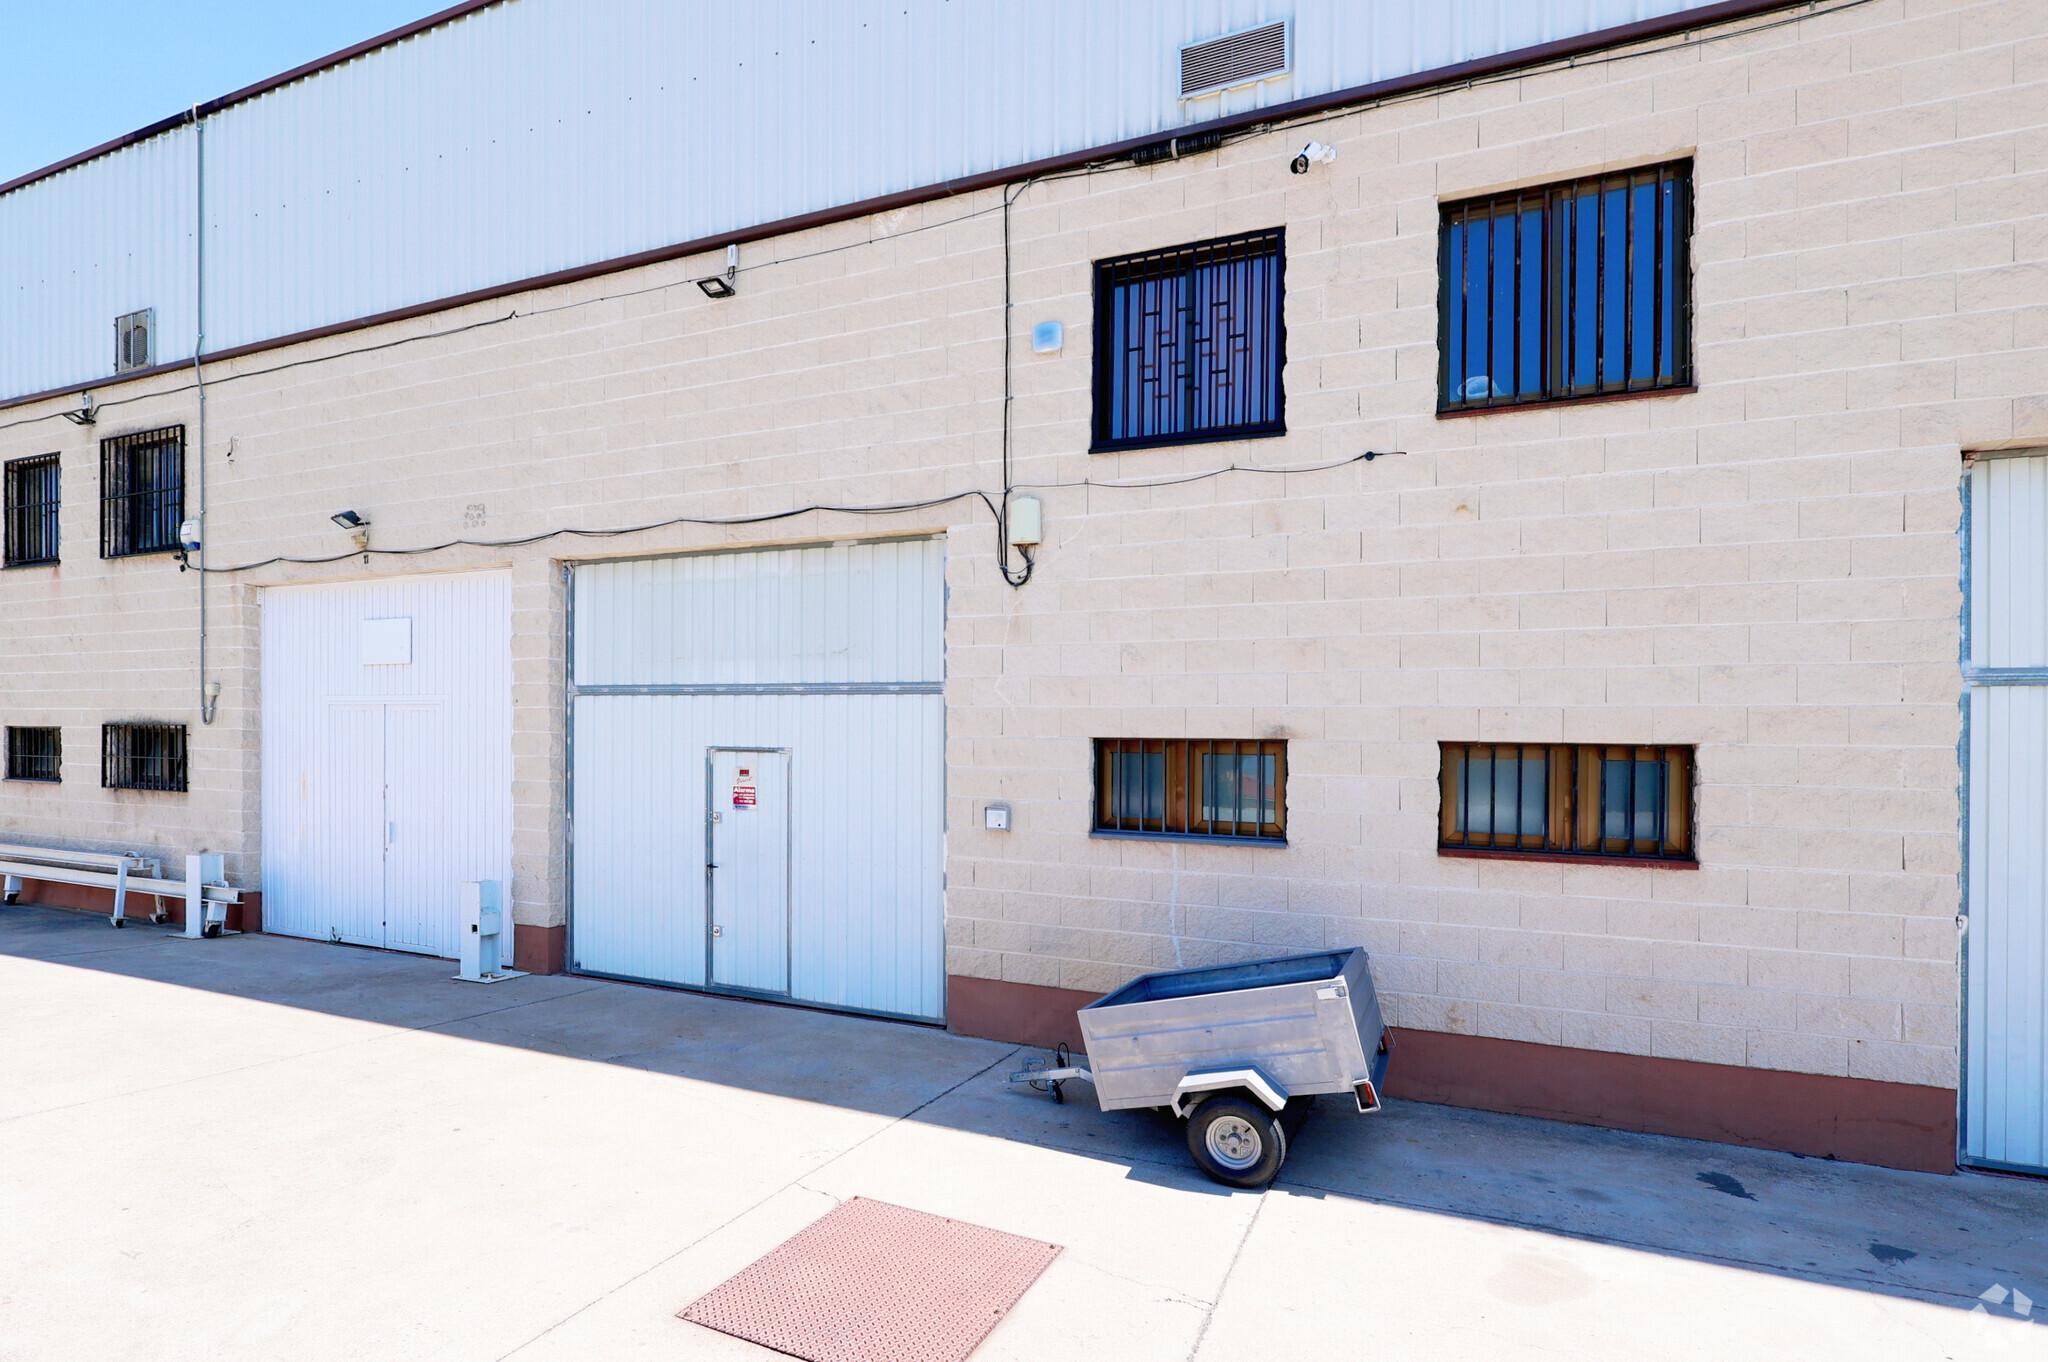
column 349, row 520
column 87, row 413
column 727, row 284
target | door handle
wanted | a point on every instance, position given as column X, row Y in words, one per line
column 717, row 930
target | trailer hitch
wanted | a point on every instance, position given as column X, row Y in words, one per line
column 1046, row 1075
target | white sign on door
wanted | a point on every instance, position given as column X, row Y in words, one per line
column 743, row 789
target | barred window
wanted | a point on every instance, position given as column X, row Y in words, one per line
column 1567, row 800
column 1191, row 787
column 35, row 753
column 143, row 757
column 1579, row 289
column 31, row 510
column 1189, row 343
column 142, row 492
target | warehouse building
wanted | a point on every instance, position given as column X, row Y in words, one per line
column 937, row 509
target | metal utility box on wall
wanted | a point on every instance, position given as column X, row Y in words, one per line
column 387, row 756
column 781, row 710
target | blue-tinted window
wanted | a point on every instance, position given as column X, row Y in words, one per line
column 1567, row 799
column 1192, row 787
column 1570, row 290
column 1189, row 344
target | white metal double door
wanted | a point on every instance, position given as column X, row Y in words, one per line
column 387, row 755
column 387, row 849
column 2005, row 1080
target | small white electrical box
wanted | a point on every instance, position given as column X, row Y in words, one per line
column 996, row 817
column 1047, row 338
column 1027, row 522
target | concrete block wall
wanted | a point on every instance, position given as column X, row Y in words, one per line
column 1766, row 568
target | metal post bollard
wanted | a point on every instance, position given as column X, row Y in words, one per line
column 200, row 871
column 485, row 924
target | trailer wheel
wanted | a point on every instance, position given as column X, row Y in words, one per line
column 1236, row 1141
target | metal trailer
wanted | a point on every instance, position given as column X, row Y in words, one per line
column 1231, row 1049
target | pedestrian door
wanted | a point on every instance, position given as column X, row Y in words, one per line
column 2005, row 1106
column 746, row 871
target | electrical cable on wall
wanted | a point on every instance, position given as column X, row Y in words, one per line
column 766, row 517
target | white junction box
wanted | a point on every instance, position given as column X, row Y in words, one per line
column 486, row 929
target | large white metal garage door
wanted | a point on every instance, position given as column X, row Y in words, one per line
column 2005, row 1111
column 387, row 756
column 758, row 773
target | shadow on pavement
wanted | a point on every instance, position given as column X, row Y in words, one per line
column 1943, row 1239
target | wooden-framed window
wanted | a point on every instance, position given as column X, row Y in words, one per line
column 31, row 510
column 1567, row 800
column 1563, row 291
column 35, row 753
column 1190, row 342
column 1191, row 787
column 143, row 757
column 142, row 492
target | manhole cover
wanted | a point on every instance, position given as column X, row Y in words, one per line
column 872, row 1282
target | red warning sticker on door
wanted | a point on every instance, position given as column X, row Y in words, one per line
column 743, row 789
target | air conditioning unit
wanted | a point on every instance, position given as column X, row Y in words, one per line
column 134, row 339
column 1234, row 59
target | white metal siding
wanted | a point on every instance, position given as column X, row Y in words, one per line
column 843, row 613
column 384, row 787
column 867, row 770
column 78, row 250
column 538, row 135
column 2006, row 1080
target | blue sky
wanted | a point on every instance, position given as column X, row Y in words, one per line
column 74, row 73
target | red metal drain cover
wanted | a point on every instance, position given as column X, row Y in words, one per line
column 872, row 1282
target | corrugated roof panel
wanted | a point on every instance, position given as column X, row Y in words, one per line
column 540, row 135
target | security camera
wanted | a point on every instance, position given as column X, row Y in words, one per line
column 1315, row 153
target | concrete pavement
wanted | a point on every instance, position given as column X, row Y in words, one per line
column 258, row 1147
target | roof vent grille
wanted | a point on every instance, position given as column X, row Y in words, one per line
column 1233, row 59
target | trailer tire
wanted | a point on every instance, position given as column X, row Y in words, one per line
column 1236, row 1141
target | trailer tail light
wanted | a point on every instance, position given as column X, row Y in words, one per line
column 1368, row 1096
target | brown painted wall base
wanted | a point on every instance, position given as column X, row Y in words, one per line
column 538, row 950
column 1023, row 1014
column 246, row 916
column 1896, row 1125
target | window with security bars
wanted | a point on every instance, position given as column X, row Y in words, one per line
column 1567, row 800
column 1189, row 344
column 142, row 492
column 35, row 753
column 31, row 510
column 1191, row 787
column 1561, row 291
column 143, row 757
